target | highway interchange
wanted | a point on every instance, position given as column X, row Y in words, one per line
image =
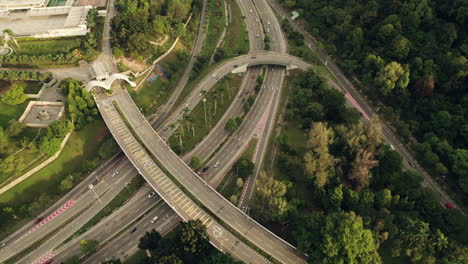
column 226, row 155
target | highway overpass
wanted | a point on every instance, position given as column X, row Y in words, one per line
column 141, row 144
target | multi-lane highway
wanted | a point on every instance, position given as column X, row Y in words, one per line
column 196, row 49
column 172, row 194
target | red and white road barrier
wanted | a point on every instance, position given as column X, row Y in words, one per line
column 45, row 258
column 52, row 216
column 259, row 131
column 358, row 107
column 244, row 190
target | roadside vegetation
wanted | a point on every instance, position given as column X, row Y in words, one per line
column 51, row 52
column 154, row 93
column 139, row 22
column 215, row 23
column 236, row 41
column 233, row 183
column 188, row 243
column 335, row 184
column 410, row 58
column 24, row 148
column 196, row 125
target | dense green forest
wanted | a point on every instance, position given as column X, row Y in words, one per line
column 141, row 21
column 410, row 56
column 340, row 193
column 187, row 243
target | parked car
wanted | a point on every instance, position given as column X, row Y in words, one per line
column 38, row 220
column 448, row 205
column 411, row 164
column 217, row 164
column 115, row 173
column 205, row 168
column 133, row 230
column 151, row 194
column 154, row 219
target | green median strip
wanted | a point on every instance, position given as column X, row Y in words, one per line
column 190, row 195
column 115, row 203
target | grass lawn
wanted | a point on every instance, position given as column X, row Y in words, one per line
column 82, row 145
column 30, row 46
column 248, row 153
column 8, row 112
column 215, row 26
column 237, row 38
column 197, row 128
column 154, row 94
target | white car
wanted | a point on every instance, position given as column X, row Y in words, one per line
column 250, row 10
column 268, row 23
column 154, row 219
column 115, row 173
column 217, row 164
column 151, row 194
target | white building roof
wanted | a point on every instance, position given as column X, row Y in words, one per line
column 18, row 4
column 46, row 21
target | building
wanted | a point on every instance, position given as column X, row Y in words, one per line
column 21, row 4
column 44, row 22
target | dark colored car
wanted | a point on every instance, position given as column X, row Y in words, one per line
column 205, row 168
column 39, row 220
column 133, row 230
column 448, row 205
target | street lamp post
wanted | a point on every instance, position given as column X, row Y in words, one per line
column 91, row 187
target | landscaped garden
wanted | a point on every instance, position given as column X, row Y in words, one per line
column 50, row 52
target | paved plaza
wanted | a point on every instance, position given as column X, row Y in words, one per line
column 41, row 114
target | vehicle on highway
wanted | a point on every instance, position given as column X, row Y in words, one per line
column 154, row 219
column 151, row 194
column 2, row 244
column 258, row 35
column 235, row 66
column 268, row 23
column 38, row 220
column 411, row 164
column 250, row 10
column 254, row 57
column 115, row 173
column 256, row 19
column 217, row 164
column 133, row 230
column 393, row 148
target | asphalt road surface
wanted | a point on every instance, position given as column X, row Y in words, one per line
column 164, row 186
